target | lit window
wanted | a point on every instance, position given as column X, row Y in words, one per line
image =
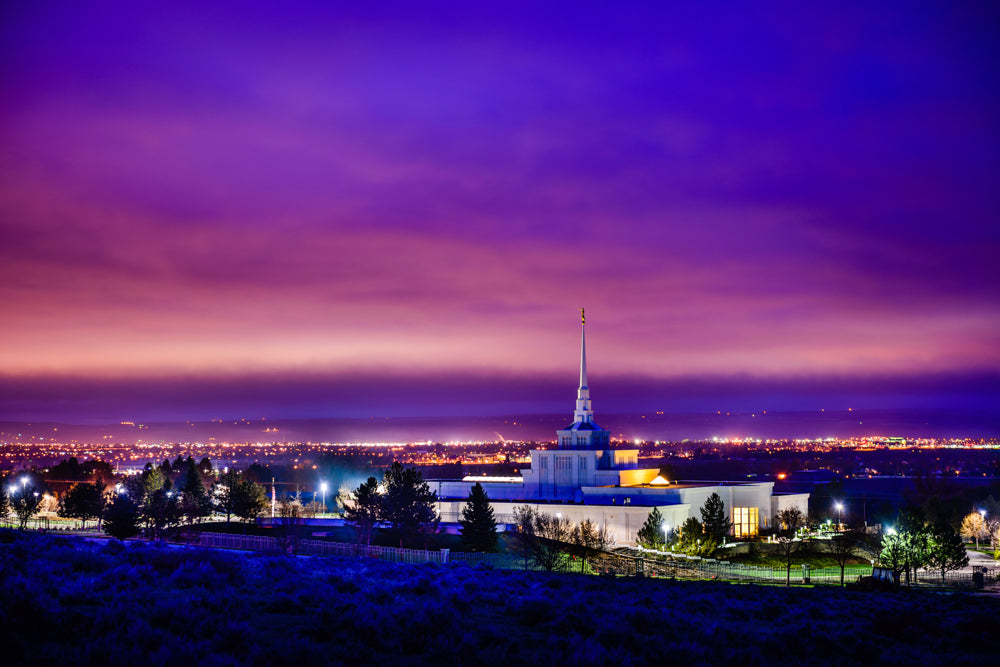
column 745, row 521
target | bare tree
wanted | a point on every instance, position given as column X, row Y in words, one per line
column 524, row 538
column 553, row 541
column 588, row 541
column 842, row 548
column 788, row 522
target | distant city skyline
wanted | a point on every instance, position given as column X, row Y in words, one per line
column 333, row 210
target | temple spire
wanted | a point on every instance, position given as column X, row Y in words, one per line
column 583, row 413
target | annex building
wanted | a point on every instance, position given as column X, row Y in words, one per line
column 584, row 478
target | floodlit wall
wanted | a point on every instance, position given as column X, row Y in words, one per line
column 622, row 522
column 786, row 500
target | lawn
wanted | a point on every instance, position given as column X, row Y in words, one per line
column 68, row 601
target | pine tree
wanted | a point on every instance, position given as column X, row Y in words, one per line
column 225, row 491
column 479, row 525
column 195, row 502
column 651, row 535
column 121, row 517
column 248, row 499
column 4, row 500
column 364, row 509
column 692, row 535
column 408, row 503
column 714, row 520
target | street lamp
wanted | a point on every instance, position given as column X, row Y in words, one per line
column 666, row 529
column 322, row 490
column 840, row 509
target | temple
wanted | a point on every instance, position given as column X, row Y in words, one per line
column 585, row 478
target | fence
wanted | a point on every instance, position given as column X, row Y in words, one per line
column 606, row 563
column 313, row 547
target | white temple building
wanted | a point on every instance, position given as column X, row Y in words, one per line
column 584, row 478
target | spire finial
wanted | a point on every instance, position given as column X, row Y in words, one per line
column 583, row 318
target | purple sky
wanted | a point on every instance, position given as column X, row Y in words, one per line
column 341, row 210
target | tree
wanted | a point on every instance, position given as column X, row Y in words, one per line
column 789, row 521
column 248, row 500
column 25, row 502
column 4, row 501
column 893, row 554
column 121, row 517
column 478, row 522
column 553, row 533
column 363, row 509
column 408, row 503
column 225, row 491
column 905, row 550
column 946, row 552
column 195, row 502
column 842, row 546
column 83, row 501
column 588, row 541
column 152, row 481
column 651, row 534
column 714, row 520
column 524, row 539
column 162, row 512
column 692, row 533
column 974, row 527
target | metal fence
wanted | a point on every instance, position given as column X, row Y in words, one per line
column 606, row 563
column 388, row 554
column 312, row 547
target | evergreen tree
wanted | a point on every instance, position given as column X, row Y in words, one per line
column 225, row 491
column 121, row 517
column 364, row 510
column 947, row 551
column 194, row 500
column 4, row 500
column 153, row 480
column 692, row 536
column 479, row 525
column 714, row 519
column 408, row 503
column 651, row 534
column 249, row 500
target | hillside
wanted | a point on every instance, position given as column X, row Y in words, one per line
column 73, row 602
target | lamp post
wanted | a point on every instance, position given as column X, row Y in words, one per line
column 982, row 513
column 322, row 490
column 840, row 510
column 666, row 530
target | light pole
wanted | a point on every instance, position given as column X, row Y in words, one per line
column 666, row 530
column 840, row 510
column 322, row 490
column 982, row 513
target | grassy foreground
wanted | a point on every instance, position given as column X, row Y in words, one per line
column 66, row 601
